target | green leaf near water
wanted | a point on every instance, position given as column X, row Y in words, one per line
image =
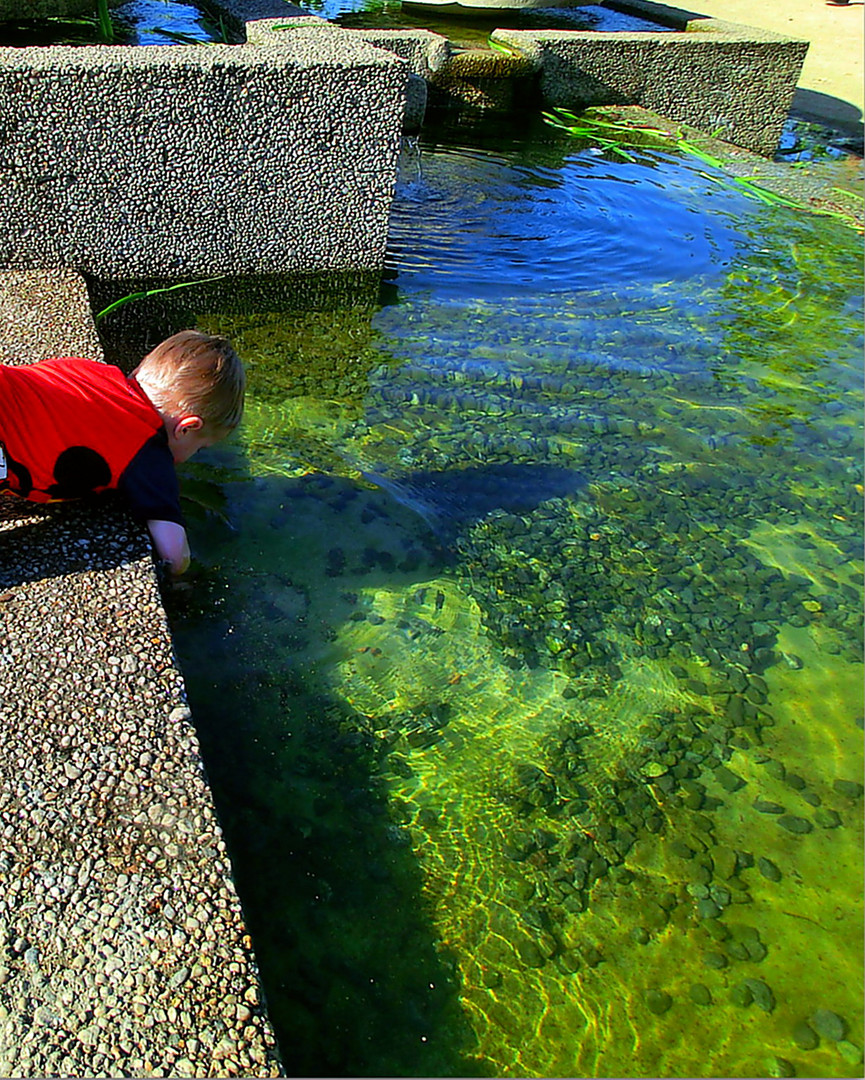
column 128, row 299
column 106, row 25
column 589, row 129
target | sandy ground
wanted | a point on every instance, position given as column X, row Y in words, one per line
column 831, row 86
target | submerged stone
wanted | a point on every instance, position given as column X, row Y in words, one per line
column 827, row 819
column 850, row 789
column 658, row 1001
column 729, row 780
column 849, row 1051
column 768, row 869
column 529, row 953
column 794, row 824
column 805, row 1037
column 761, row 993
column 828, row 1024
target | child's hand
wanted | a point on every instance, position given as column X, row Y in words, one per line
column 172, row 547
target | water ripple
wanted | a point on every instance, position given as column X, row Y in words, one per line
column 480, row 223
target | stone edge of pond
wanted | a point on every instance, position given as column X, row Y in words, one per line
column 712, row 74
column 302, row 131
column 124, row 951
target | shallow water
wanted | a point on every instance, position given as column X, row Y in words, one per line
column 525, row 642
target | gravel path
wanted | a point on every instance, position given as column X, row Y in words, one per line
column 123, row 946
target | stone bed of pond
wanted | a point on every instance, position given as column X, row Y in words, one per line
column 525, row 642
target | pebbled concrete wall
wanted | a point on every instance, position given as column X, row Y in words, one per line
column 719, row 77
column 124, row 951
column 267, row 157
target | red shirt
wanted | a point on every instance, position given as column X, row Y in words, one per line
column 70, row 427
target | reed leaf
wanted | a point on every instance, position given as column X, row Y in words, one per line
column 106, row 25
column 498, row 46
column 142, row 295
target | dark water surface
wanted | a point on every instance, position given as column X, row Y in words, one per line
column 525, row 640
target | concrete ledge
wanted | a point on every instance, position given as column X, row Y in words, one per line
column 268, row 157
column 124, row 949
column 425, row 52
column 719, row 77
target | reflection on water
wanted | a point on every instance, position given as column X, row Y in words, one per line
column 470, row 27
column 527, row 654
column 133, row 22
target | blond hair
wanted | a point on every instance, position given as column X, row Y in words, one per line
column 195, row 374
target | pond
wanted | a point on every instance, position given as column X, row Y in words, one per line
column 169, row 22
column 525, row 641
column 470, row 26
column 133, row 22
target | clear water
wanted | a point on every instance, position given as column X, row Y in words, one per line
column 527, row 624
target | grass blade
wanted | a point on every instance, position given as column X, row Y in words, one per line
column 128, row 299
column 106, row 26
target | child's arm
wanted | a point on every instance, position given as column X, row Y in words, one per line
column 171, row 544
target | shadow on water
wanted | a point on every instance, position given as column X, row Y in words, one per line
column 449, row 498
column 357, row 980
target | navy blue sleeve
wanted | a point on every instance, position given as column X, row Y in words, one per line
column 149, row 483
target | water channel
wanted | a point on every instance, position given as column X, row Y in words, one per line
column 525, row 640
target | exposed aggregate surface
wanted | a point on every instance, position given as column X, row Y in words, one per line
column 124, row 951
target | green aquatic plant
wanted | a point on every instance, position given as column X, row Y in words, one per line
column 144, row 293
column 105, row 22
column 500, row 47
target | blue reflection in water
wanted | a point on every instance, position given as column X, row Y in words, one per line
column 487, row 224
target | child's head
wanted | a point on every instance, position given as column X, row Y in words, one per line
column 195, row 375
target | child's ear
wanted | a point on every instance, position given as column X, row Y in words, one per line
column 189, row 423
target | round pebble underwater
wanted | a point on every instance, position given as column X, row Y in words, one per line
column 525, row 642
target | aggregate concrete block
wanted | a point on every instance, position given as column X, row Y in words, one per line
column 45, row 314
column 185, row 160
column 425, row 53
column 717, row 76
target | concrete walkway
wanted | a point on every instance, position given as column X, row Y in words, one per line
column 123, row 946
column 831, row 86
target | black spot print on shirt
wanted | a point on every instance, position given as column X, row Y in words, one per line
column 78, row 472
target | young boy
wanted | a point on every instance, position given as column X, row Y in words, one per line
column 70, row 427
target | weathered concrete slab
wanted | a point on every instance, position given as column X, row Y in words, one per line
column 724, row 79
column 182, row 160
column 124, row 949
